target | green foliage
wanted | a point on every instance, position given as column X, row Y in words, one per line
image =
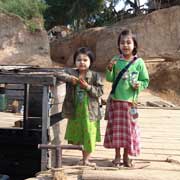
column 78, row 14
column 32, row 26
column 73, row 12
column 106, row 16
column 158, row 4
column 26, row 9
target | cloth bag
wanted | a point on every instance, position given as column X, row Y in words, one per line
column 134, row 112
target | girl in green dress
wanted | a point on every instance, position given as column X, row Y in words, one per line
column 81, row 105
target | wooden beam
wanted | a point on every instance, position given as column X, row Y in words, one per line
column 26, row 107
column 45, row 126
column 27, row 79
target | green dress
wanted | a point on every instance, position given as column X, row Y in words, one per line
column 80, row 129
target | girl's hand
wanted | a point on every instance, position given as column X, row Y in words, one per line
column 135, row 86
column 111, row 64
column 84, row 84
column 74, row 80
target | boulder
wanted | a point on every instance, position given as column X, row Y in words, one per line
column 18, row 45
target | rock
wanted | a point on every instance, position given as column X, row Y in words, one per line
column 20, row 46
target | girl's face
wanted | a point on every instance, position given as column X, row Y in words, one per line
column 83, row 62
column 126, row 45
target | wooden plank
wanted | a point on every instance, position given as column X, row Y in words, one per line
column 15, row 67
column 28, row 79
column 165, row 108
column 8, row 119
column 27, row 68
column 45, row 126
column 159, row 104
column 42, row 70
column 155, row 60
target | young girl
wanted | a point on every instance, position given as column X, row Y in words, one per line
column 81, row 104
column 122, row 129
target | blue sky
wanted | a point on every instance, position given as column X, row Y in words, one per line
column 121, row 4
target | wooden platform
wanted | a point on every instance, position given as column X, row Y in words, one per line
column 7, row 120
column 19, row 144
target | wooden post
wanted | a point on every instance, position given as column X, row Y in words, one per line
column 45, row 126
column 26, row 107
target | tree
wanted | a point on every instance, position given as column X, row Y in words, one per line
column 73, row 12
column 158, row 4
column 106, row 16
column 81, row 14
column 135, row 6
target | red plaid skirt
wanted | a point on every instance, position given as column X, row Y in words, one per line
column 121, row 131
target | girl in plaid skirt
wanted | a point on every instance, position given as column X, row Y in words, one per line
column 122, row 128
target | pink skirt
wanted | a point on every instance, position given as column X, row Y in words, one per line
column 121, row 131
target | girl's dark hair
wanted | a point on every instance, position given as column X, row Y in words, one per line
column 127, row 32
column 84, row 50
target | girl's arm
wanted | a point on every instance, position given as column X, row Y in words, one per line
column 96, row 88
column 110, row 69
column 66, row 76
column 143, row 79
column 110, row 75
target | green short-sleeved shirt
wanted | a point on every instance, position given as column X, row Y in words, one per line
column 136, row 72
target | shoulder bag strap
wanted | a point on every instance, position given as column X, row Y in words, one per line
column 121, row 74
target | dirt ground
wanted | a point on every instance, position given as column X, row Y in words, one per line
column 164, row 80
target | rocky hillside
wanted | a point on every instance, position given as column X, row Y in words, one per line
column 20, row 46
column 158, row 35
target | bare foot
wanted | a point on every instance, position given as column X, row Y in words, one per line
column 90, row 164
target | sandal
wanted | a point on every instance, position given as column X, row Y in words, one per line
column 127, row 162
column 80, row 162
column 116, row 162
